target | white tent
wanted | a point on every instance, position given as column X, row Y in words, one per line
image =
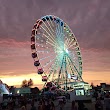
column 3, row 89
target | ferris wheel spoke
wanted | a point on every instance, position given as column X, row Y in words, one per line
column 49, row 62
column 62, row 32
column 69, row 42
column 69, row 65
column 50, row 26
column 73, row 65
column 42, row 51
column 59, row 36
column 49, row 40
column 66, row 73
column 60, row 69
column 51, row 22
column 50, row 30
column 51, row 44
column 50, row 37
column 55, row 69
column 46, row 57
column 51, row 67
column 49, row 33
column 40, row 47
column 69, row 61
column 59, row 31
column 48, row 78
column 75, row 68
column 73, row 45
column 72, row 72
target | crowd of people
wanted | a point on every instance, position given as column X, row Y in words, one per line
column 17, row 103
column 47, row 103
column 103, row 102
column 23, row 103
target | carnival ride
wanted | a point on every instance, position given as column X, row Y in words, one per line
column 56, row 52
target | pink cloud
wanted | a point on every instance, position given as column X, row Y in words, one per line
column 89, row 21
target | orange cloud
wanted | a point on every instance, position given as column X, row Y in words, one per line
column 17, row 80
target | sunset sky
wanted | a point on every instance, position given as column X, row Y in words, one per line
column 88, row 19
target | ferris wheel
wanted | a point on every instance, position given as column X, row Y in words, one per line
column 56, row 52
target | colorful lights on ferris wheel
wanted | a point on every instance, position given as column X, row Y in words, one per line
column 49, row 34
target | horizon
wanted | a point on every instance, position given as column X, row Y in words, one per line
column 40, row 86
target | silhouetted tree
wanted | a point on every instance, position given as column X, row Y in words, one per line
column 24, row 83
column 30, row 82
column 27, row 83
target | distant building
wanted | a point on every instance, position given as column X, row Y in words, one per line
column 23, row 90
column 102, row 87
column 106, row 87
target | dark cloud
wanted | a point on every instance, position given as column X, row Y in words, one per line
column 89, row 20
